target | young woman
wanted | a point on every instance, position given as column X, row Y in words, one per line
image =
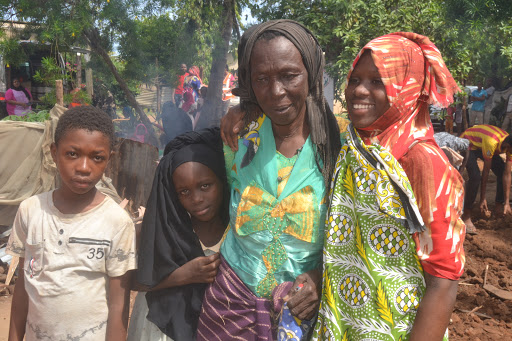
column 393, row 249
column 182, row 230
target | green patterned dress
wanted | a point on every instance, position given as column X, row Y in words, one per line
column 373, row 281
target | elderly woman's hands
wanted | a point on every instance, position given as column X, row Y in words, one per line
column 303, row 299
column 230, row 125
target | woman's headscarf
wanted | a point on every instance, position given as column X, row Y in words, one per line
column 194, row 70
column 415, row 75
column 323, row 124
column 168, row 240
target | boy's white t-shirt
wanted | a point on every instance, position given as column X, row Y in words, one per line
column 68, row 261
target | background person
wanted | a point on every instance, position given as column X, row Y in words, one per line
column 476, row 113
column 227, row 85
column 18, row 99
column 178, row 90
column 487, row 143
column 193, row 81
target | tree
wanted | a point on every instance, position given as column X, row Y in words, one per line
column 344, row 26
column 82, row 23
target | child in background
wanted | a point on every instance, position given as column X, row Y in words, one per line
column 183, row 228
column 76, row 245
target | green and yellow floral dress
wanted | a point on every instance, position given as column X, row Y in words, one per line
column 373, row 280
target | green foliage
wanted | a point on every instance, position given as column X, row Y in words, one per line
column 80, row 96
column 473, row 35
column 50, row 72
column 105, row 85
column 12, row 52
column 48, row 100
column 40, row 116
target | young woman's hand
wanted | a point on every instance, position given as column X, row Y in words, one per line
column 303, row 299
column 201, row 269
column 230, row 125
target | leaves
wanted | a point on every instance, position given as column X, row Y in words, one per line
column 473, row 35
column 348, row 182
column 329, row 294
column 383, row 306
column 359, row 244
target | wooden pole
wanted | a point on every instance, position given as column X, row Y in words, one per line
column 78, row 70
column 88, row 76
column 158, row 90
column 59, row 92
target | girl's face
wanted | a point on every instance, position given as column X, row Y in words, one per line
column 199, row 190
column 365, row 93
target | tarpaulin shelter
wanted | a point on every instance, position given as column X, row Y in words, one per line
column 26, row 165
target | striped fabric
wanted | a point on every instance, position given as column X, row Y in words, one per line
column 487, row 138
column 232, row 312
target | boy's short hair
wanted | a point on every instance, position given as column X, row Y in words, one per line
column 88, row 118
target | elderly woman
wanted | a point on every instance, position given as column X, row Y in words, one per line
column 278, row 178
column 393, row 249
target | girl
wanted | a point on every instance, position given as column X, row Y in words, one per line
column 182, row 230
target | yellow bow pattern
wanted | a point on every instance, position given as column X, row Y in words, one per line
column 295, row 215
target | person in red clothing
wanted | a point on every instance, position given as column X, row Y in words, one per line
column 178, row 91
column 227, row 85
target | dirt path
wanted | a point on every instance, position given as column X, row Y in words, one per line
column 5, row 312
column 492, row 316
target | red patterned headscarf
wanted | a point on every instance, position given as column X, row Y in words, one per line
column 415, row 75
column 194, row 70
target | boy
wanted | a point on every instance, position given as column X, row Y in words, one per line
column 76, row 245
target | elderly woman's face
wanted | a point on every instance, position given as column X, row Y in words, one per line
column 365, row 93
column 279, row 80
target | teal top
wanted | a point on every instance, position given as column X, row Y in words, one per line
column 277, row 211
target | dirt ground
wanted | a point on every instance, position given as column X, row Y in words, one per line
column 478, row 315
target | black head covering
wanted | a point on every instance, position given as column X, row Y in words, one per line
column 168, row 240
column 323, row 124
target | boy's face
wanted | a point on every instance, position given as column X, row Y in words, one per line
column 81, row 157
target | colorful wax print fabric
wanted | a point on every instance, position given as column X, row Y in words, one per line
column 277, row 211
column 373, row 280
